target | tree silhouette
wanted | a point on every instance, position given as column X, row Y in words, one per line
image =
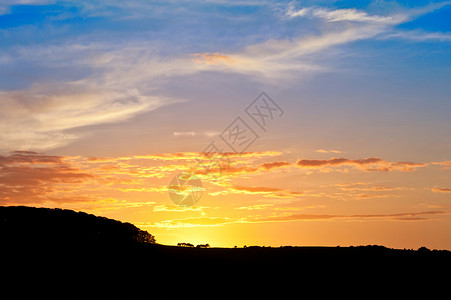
column 423, row 250
column 189, row 245
column 20, row 224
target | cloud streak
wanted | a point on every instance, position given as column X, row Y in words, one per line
column 125, row 77
column 329, row 151
column 221, row 221
column 27, row 177
column 269, row 192
column 441, row 190
column 396, row 216
column 39, row 117
column 340, row 15
column 372, row 164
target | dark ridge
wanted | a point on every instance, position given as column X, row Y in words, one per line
column 63, row 254
column 31, row 226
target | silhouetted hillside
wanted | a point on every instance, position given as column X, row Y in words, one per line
column 62, row 254
column 20, row 225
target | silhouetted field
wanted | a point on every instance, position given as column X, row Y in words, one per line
column 64, row 254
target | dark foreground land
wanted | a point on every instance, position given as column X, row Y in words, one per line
column 51, row 253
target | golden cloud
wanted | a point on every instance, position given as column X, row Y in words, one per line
column 28, row 177
column 213, row 59
column 367, row 164
column 397, row 216
column 269, row 192
column 441, row 190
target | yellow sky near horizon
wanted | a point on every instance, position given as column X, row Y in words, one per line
column 264, row 198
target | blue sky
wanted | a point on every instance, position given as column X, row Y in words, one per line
column 383, row 60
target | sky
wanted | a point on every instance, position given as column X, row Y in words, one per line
column 233, row 122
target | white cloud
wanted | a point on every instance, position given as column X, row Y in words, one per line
column 329, row 151
column 420, row 36
column 281, row 59
column 339, row 15
column 184, row 133
column 120, row 86
column 126, row 76
column 276, row 58
column 208, row 133
column 354, row 15
column 37, row 118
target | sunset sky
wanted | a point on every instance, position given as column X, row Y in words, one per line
column 104, row 103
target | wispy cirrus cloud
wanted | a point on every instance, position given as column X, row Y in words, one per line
column 368, row 187
column 177, row 208
column 269, row 192
column 221, row 221
column 31, row 177
column 190, row 222
column 444, row 164
column 238, row 165
column 419, row 36
column 360, row 16
column 255, row 207
column 313, row 163
column 329, row 151
column 198, row 155
column 123, row 79
column 368, row 164
column 281, row 57
column 340, row 15
column 241, row 167
column 441, row 190
column 213, row 59
column 39, row 117
column 404, row 216
column 275, row 165
column 27, row 177
column 95, row 183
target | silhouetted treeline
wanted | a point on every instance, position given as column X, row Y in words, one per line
column 102, row 258
column 40, row 226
